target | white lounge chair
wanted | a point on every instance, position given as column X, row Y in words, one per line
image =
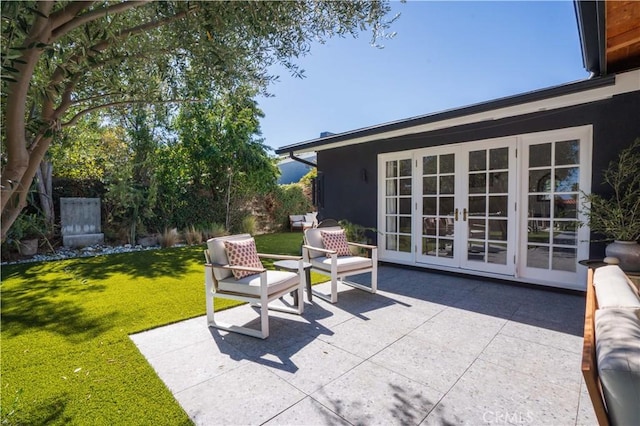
column 339, row 267
column 260, row 288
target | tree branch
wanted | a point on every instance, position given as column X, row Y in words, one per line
column 67, row 13
column 79, row 115
column 93, row 15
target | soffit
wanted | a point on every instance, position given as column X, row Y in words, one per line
column 622, row 35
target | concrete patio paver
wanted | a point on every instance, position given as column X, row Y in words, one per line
column 426, row 349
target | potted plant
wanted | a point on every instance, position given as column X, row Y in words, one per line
column 617, row 217
column 25, row 233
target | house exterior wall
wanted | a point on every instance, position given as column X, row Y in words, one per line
column 350, row 172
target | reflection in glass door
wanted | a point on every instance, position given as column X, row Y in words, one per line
column 552, row 210
column 487, row 212
column 437, row 204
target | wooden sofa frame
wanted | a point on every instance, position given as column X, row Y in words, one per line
column 589, row 359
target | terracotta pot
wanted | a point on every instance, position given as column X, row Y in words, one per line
column 627, row 252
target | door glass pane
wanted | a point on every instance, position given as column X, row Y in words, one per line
column 446, row 248
column 405, row 186
column 498, row 230
column 405, row 224
column 391, row 187
column 392, row 169
column 476, row 251
column 538, row 257
column 497, row 253
column 477, row 228
column 391, row 205
column 477, row 160
column 538, row 231
column 429, row 205
column 540, row 155
column 567, row 179
column 404, row 243
column 499, row 182
column 430, row 165
column 499, row 158
column 477, row 183
column 567, row 152
column 405, row 205
column 429, row 246
column 392, row 224
column 564, row 259
column 447, row 163
column 447, row 184
column 430, row 185
column 539, row 206
column 405, row 167
column 498, row 205
column 565, row 233
column 477, row 206
column 565, row 206
column 429, row 226
column 446, row 206
column 392, row 242
column 540, row 180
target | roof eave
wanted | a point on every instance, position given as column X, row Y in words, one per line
column 590, row 17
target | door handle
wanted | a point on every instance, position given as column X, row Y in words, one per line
column 464, row 214
column 455, row 214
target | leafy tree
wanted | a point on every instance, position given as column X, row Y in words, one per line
column 217, row 162
column 62, row 60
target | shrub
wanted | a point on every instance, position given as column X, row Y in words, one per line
column 248, row 225
column 215, row 229
column 193, row 236
column 169, row 237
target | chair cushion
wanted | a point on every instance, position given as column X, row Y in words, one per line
column 335, row 240
column 345, row 263
column 613, row 289
column 276, row 281
column 218, row 253
column 243, row 253
column 296, row 217
column 311, row 218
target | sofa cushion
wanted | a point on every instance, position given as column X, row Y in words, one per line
column 243, row 253
column 613, row 289
column 618, row 354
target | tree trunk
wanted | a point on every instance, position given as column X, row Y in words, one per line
column 45, row 191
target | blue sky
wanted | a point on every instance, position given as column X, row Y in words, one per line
column 445, row 55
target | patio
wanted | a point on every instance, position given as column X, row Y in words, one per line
column 427, row 349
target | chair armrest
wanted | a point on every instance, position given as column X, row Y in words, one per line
column 367, row 246
column 278, row 256
column 321, row 250
column 234, row 268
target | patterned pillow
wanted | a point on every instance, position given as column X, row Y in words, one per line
column 243, row 253
column 335, row 240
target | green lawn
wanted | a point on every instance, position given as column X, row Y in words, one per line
column 66, row 356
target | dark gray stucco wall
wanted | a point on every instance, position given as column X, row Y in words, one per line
column 347, row 195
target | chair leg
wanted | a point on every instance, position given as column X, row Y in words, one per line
column 264, row 312
column 210, row 306
column 374, row 279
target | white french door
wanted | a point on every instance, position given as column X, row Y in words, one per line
column 465, row 213
column 556, row 168
column 505, row 206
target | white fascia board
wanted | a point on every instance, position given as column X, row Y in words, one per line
column 625, row 83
